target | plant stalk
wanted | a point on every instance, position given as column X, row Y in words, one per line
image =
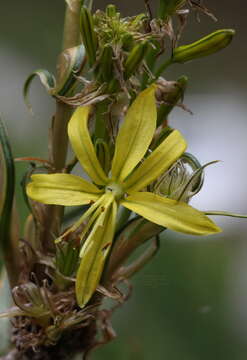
column 59, row 138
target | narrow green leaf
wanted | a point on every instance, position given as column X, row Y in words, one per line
column 46, row 78
column 7, row 186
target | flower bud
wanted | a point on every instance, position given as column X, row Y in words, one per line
column 103, row 154
column 67, row 256
column 104, row 69
column 135, row 58
column 169, row 7
column 208, row 45
column 111, row 10
column 88, row 35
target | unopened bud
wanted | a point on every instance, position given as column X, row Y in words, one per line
column 111, row 10
column 88, row 35
column 135, row 59
column 105, row 68
column 103, row 154
column 208, row 45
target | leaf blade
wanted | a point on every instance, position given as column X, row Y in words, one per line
column 46, row 78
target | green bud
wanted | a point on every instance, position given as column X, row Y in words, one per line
column 208, row 45
column 127, row 42
column 135, row 58
column 88, row 35
column 103, row 154
column 111, row 10
column 105, row 68
column 67, row 257
column 169, row 7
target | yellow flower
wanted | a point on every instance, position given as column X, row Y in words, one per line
column 124, row 186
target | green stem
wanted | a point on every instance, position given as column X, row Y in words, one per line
column 123, row 217
column 162, row 68
column 100, row 123
column 225, row 213
column 59, row 139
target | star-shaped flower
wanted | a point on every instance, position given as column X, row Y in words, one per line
column 125, row 185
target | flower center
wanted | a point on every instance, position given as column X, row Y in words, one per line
column 115, row 189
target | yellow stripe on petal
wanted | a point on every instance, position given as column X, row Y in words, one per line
column 94, row 253
column 135, row 134
column 83, row 147
column 62, row 189
column 171, row 214
column 157, row 163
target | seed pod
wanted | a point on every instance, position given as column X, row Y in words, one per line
column 88, row 35
column 135, row 59
column 168, row 7
column 208, row 45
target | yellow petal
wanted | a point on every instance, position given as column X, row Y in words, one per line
column 94, row 253
column 93, row 212
column 135, row 134
column 171, row 214
column 157, row 163
column 62, row 189
column 83, row 147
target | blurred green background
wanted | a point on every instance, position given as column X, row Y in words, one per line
column 190, row 302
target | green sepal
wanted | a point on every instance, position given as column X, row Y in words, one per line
column 75, row 59
column 88, row 35
column 7, row 187
column 46, row 78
